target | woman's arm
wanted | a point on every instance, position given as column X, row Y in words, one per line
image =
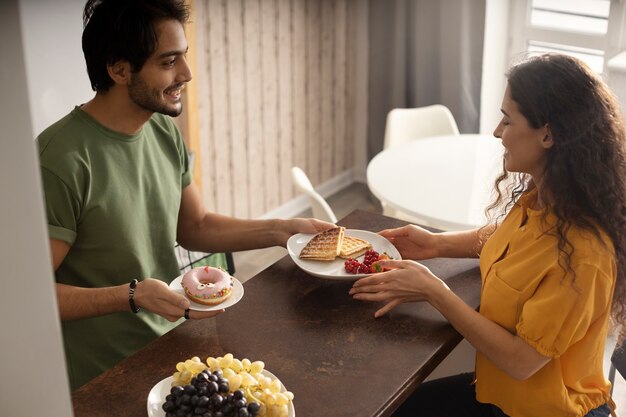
column 410, row 281
column 414, row 242
column 507, row 351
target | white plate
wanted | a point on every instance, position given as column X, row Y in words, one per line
column 157, row 395
column 234, row 298
column 335, row 269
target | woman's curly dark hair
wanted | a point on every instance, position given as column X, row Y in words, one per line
column 584, row 182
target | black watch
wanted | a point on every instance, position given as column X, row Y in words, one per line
column 131, row 295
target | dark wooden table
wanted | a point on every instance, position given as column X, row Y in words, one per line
column 324, row 346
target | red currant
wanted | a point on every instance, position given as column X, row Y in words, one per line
column 352, row 266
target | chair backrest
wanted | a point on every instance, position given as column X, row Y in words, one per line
column 189, row 259
column 404, row 125
column 618, row 362
column 320, row 207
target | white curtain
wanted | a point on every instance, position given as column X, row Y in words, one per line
column 424, row 52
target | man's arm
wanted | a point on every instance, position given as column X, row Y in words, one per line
column 209, row 232
column 152, row 294
column 76, row 302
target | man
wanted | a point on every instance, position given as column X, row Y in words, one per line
column 119, row 192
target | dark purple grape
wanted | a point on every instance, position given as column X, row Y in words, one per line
column 198, row 411
column 223, row 387
column 169, row 406
column 243, row 412
column 254, row 408
column 203, row 401
column 217, row 400
column 177, row 391
column 213, row 387
column 240, row 403
column 191, row 390
column 227, row 408
column 238, row 394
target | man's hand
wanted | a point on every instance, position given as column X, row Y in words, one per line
column 151, row 294
column 154, row 295
column 300, row 225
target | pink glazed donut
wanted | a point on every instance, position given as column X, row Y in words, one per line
column 207, row 285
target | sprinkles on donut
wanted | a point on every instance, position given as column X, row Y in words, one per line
column 207, row 285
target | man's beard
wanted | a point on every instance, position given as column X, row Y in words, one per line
column 151, row 99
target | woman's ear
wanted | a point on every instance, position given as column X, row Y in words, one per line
column 119, row 72
column 547, row 140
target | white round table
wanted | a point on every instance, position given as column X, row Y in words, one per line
column 445, row 180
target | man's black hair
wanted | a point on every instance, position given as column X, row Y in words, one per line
column 117, row 30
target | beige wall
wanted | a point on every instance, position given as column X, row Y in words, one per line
column 277, row 83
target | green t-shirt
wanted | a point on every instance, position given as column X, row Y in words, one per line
column 114, row 198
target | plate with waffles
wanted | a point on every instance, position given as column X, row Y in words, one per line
column 323, row 255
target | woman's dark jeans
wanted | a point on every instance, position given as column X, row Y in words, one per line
column 455, row 396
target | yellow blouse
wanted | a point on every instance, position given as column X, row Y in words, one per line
column 527, row 292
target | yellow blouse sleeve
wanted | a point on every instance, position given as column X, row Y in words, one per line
column 560, row 313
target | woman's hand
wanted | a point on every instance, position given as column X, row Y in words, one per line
column 155, row 295
column 407, row 281
column 413, row 242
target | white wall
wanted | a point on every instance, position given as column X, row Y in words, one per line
column 55, row 66
column 494, row 64
column 31, row 353
column 616, row 72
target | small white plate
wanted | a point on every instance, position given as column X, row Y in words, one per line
column 234, row 298
column 335, row 269
column 157, row 395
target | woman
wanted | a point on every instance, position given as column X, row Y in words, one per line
column 553, row 264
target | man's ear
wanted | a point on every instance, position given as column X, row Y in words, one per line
column 119, row 72
column 547, row 141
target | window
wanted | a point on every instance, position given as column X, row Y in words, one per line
column 588, row 29
column 586, row 16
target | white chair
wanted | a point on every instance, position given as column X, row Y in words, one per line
column 404, row 125
column 321, row 209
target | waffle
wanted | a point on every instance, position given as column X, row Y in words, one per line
column 351, row 247
column 324, row 246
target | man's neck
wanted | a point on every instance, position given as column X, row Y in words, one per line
column 114, row 110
